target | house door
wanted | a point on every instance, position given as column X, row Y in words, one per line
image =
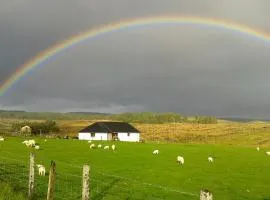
column 114, row 136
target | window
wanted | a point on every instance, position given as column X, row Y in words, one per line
column 93, row 134
column 128, row 134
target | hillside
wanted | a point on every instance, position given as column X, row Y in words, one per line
column 164, row 127
column 253, row 133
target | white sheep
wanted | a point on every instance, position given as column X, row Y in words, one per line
column 92, row 146
column 37, row 147
column 268, row 153
column 45, row 140
column 41, row 170
column 29, row 143
column 106, row 147
column 113, row 147
column 210, row 159
column 155, row 152
column 89, row 141
column 2, row 139
column 99, row 146
column 32, row 143
column 180, row 160
column 258, row 148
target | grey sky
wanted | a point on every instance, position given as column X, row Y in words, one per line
column 185, row 69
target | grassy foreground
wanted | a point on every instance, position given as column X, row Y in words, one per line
column 132, row 172
column 9, row 193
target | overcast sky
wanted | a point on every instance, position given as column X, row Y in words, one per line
column 184, row 69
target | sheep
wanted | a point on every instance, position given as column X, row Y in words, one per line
column 45, row 140
column 41, row 170
column 29, row 143
column 268, row 153
column 99, row 146
column 155, row 152
column 92, row 146
column 180, row 160
column 258, row 148
column 37, row 147
column 106, row 147
column 32, row 143
column 2, row 139
column 210, row 159
column 38, row 165
column 113, row 147
column 89, row 141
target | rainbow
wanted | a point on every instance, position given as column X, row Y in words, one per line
column 124, row 24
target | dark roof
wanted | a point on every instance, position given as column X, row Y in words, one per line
column 108, row 127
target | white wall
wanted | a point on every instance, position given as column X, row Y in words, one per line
column 87, row 136
column 133, row 137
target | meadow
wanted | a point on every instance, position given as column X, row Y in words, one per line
column 132, row 172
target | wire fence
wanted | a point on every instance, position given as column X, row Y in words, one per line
column 68, row 186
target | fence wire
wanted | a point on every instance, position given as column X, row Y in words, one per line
column 103, row 186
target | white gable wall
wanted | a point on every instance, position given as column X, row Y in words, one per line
column 133, row 137
column 98, row 136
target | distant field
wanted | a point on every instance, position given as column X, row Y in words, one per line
column 232, row 133
column 238, row 173
column 229, row 133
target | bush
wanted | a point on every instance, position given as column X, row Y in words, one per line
column 205, row 119
column 148, row 117
column 37, row 127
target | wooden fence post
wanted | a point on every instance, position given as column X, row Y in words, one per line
column 85, row 183
column 31, row 175
column 206, row 195
column 51, row 184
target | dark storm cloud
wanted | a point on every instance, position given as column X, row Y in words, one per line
column 185, row 69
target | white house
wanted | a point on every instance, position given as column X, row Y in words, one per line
column 110, row 131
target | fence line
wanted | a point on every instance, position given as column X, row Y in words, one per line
column 70, row 184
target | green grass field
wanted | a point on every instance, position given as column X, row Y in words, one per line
column 132, row 172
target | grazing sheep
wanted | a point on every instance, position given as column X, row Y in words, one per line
column 92, row 146
column 26, row 142
column 41, row 170
column 106, row 147
column 32, row 143
column 89, row 141
column 45, row 140
column 99, row 146
column 180, row 160
column 2, row 139
column 29, row 143
column 37, row 147
column 155, row 152
column 113, row 147
column 210, row 159
column 258, row 148
column 268, row 153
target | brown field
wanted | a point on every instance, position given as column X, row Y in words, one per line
column 255, row 133
column 231, row 133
